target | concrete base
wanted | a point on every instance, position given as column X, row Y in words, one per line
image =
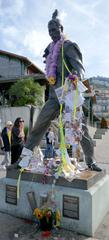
column 91, row 207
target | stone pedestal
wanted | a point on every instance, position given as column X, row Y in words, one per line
column 83, row 202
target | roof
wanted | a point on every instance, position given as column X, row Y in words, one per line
column 39, row 77
column 24, row 59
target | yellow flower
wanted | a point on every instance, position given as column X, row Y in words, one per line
column 58, row 218
column 38, row 213
column 58, row 215
column 52, row 80
column 75, row 82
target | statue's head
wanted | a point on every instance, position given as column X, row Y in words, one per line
column 55, row 27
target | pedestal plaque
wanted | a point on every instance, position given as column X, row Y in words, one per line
column 11, row 194
column 71, row 207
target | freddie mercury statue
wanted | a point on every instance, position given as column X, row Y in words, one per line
column 51, row 109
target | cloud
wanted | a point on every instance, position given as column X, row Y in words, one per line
column 88, row 12
column 10, row 32
column 35, row 41
column 63, row 15
column 10, row 45
column 96, row 3
column 11, row 8
column 23, row 29
column 11, row 38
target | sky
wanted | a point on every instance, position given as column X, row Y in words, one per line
column 23, row 29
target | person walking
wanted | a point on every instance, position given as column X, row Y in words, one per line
column 6, row 144
column 49, row 152
column 17, row 139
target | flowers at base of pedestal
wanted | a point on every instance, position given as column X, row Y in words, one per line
column 47, row 218
column 52, row 58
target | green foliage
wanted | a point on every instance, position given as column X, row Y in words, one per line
column 26, row 91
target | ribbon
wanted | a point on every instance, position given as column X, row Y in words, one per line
column 18, row 182
column 66, row 166
column 62, row 139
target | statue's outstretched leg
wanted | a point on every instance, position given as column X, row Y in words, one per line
column 47, row 114
column 88, row 149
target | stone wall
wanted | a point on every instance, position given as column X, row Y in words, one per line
column 28, row 113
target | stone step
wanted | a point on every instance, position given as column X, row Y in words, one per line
column 100, row 131
column 97, row 136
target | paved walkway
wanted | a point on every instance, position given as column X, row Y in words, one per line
column 12, row 228
column 101, row 150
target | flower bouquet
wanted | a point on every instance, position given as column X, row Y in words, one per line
column 47, row 218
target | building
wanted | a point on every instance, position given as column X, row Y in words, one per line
column 13, row 67
column 100, row 86
column 90, row 99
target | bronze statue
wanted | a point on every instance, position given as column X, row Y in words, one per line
column 73, row 59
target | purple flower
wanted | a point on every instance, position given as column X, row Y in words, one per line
column 51, row 62
column 72, row 77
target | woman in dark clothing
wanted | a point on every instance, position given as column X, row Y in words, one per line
column 6, row 144
column 17, row 139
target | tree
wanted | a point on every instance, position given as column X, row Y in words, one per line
column 26, row 91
